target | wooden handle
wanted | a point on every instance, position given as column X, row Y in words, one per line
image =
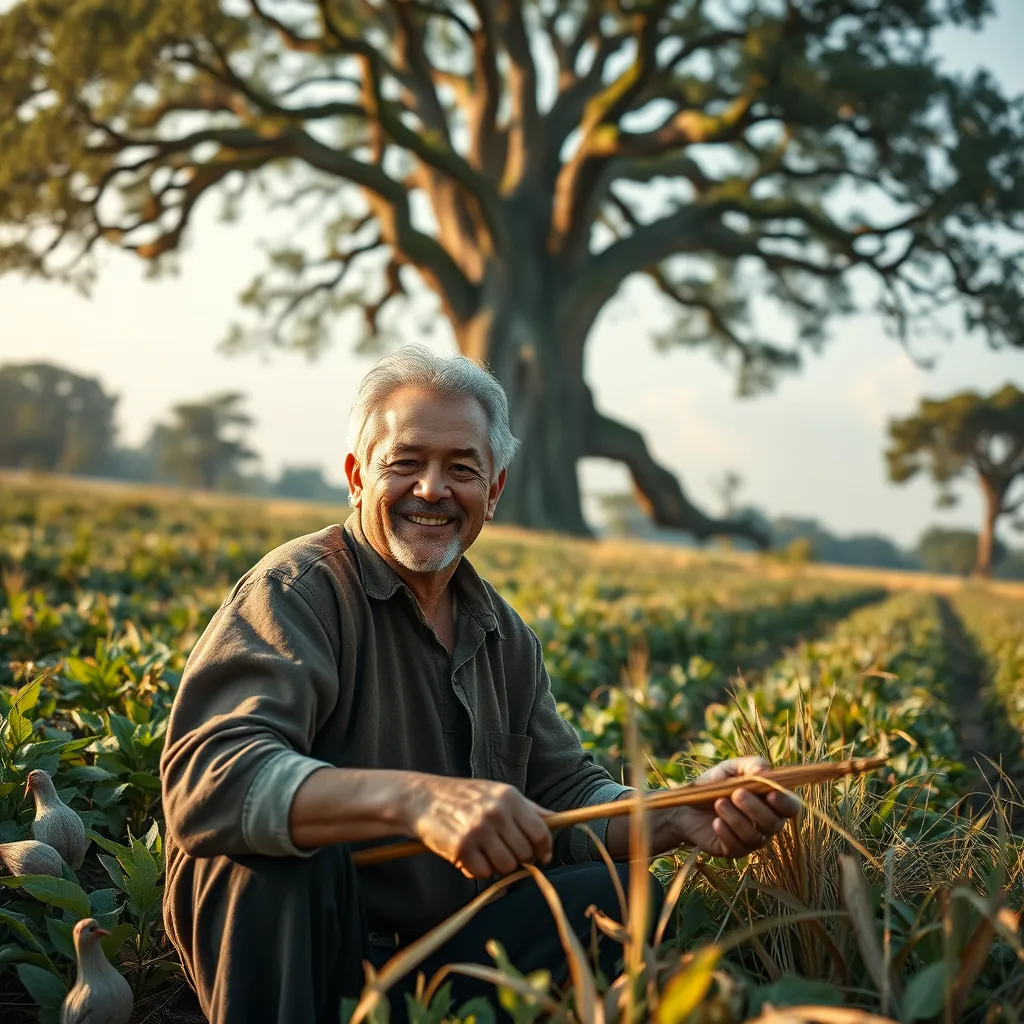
column 694, row 794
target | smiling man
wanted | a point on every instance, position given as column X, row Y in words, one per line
column 363, row 683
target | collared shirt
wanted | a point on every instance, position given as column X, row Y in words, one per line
column 320, row 656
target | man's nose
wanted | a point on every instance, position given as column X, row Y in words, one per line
column 431, row 485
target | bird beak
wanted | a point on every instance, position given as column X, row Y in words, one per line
column 28, row 786
column 102, row 931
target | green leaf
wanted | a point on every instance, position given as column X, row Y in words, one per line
column 791, row 990
column 85, row 773
column 118, row 936
column 72, row 747
column 56, row 892
column 107, row 793
column 9, row 832
column 144, row 780
column 109, row 845
column 28, row 696
column 105, row 906
column 113, row 869
column 62, row 937
column 44, row 986
column 478, row 1010
column 19, row 729
column 123, row 730
column 11, row 953
column 152, row 837
column 925, row 993
column 78, row 670
column 142, row 868
column 21, row 927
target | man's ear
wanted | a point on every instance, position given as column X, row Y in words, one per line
column 497, row 486
column 354, row 473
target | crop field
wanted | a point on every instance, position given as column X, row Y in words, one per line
column 894, row 894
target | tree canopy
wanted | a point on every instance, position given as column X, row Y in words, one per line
column 54, row 419
column 204, row 444
column 523, row 160
column 965, row 434
column 953, row 551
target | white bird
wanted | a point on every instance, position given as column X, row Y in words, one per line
column 30, row 857
column 99, row 995
column 56, row 823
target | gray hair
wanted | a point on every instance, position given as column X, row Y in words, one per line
column 446, row 376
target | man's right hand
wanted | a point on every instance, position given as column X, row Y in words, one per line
column 484, row 828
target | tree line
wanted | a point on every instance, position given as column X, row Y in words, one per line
column 55, row 420
column 967, row 436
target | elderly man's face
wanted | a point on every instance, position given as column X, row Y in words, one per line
column 425, row 491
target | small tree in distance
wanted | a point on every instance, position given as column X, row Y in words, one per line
column 203, row 446
column 966, row 433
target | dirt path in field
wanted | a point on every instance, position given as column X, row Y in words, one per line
column 982, row 737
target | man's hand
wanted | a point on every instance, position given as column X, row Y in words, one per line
column 484, row 828
column 740, row 824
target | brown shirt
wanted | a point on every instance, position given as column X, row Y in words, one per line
column 320, row 656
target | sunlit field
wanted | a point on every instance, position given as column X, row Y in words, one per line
column 894, row 893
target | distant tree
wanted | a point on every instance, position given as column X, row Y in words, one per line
column 54, row 419
column 203, row 446
column 952, row 551
column 966, row 433
column 307, row 483
column 857, row 549
column 727, row 488
column 1010, row 566
column 521, row 161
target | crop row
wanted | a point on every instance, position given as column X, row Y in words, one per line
column 996, row 627
column 875, row 684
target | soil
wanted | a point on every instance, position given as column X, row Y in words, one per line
column 985, row 741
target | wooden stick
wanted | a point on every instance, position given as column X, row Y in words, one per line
column 694, row 794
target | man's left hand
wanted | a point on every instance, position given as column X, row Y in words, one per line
column 739, row 824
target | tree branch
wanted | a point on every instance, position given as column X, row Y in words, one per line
column 525, row 127
column 657, row 488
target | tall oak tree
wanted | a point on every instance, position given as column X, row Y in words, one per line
column 524, row 159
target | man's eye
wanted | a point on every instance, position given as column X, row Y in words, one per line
column 404, row 463
column 463, row 469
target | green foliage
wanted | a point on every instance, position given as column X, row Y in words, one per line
column 198, row 448
column 983, row 434
column 95, row 627
column 53, row 419
column 804, row 105
column 952, row 551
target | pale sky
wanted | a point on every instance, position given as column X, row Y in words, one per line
column 812, row 448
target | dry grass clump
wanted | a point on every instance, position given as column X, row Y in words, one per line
column 883, row 899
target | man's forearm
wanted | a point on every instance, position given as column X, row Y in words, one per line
column 663, row 828
column 347, row 805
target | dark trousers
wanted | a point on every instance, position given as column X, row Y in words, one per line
column 281, row 940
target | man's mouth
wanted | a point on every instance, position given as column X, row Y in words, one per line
column 429, row 520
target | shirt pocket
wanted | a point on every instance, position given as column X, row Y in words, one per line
column 509, row 758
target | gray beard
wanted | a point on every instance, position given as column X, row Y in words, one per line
column 434, row 561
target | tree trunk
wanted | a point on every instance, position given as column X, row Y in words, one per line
column 546, row 412
column 537, row 355
column 992, row 500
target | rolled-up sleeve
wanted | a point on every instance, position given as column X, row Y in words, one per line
column 256, row 689
column 562, row 775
